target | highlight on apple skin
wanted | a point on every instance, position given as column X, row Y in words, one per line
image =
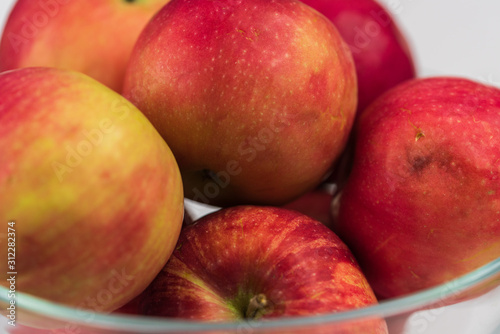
column 255, row 98
column 422, row 204
column 94, row 37
column 93, row 192
column 251, row 262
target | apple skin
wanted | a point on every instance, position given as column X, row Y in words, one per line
column 256, row 98
column 381, row 52
column 132, row 307
column 315, row 204
column 227, row 257
column 95, row 37
column 93, row 189
column 422, row 204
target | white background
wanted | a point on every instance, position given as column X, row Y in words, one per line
column 447, row 37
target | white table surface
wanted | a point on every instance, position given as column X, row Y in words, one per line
column 447, row 37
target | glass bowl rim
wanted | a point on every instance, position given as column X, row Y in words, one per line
column 130, row 322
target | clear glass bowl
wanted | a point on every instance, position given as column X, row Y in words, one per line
column 469, row 304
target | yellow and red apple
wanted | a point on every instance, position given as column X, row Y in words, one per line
column 255, row 98
column 95, row 37
column 92, row 191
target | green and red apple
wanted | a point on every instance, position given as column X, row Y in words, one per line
column 255, row 98
column 422, row 204
column 95, row 37
column 259, row 263
column 91, row 191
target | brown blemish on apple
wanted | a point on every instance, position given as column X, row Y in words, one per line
column 419, row 163
column 418, row 131
column 422, row 158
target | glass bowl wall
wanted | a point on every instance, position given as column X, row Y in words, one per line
column 469, row 304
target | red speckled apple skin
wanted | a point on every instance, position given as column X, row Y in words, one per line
column 422, row 205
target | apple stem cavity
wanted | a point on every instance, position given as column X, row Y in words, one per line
column 257, row 306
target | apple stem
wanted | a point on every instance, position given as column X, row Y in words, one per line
column 257, row 306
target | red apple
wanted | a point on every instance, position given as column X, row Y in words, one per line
column 250, row 262
column 255, row 98
column 90, row 192
column 94, row 37
column 315, row 204
column 132, row 307
column 381, row 53
column 422, row 204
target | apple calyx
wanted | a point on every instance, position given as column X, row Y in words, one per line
column 257, row 306
column 209, row 174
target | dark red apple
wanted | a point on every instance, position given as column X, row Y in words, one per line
column 422, row 205
column 381, row 53
column 132, row 307
column 315, row 204
column 251, row 262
